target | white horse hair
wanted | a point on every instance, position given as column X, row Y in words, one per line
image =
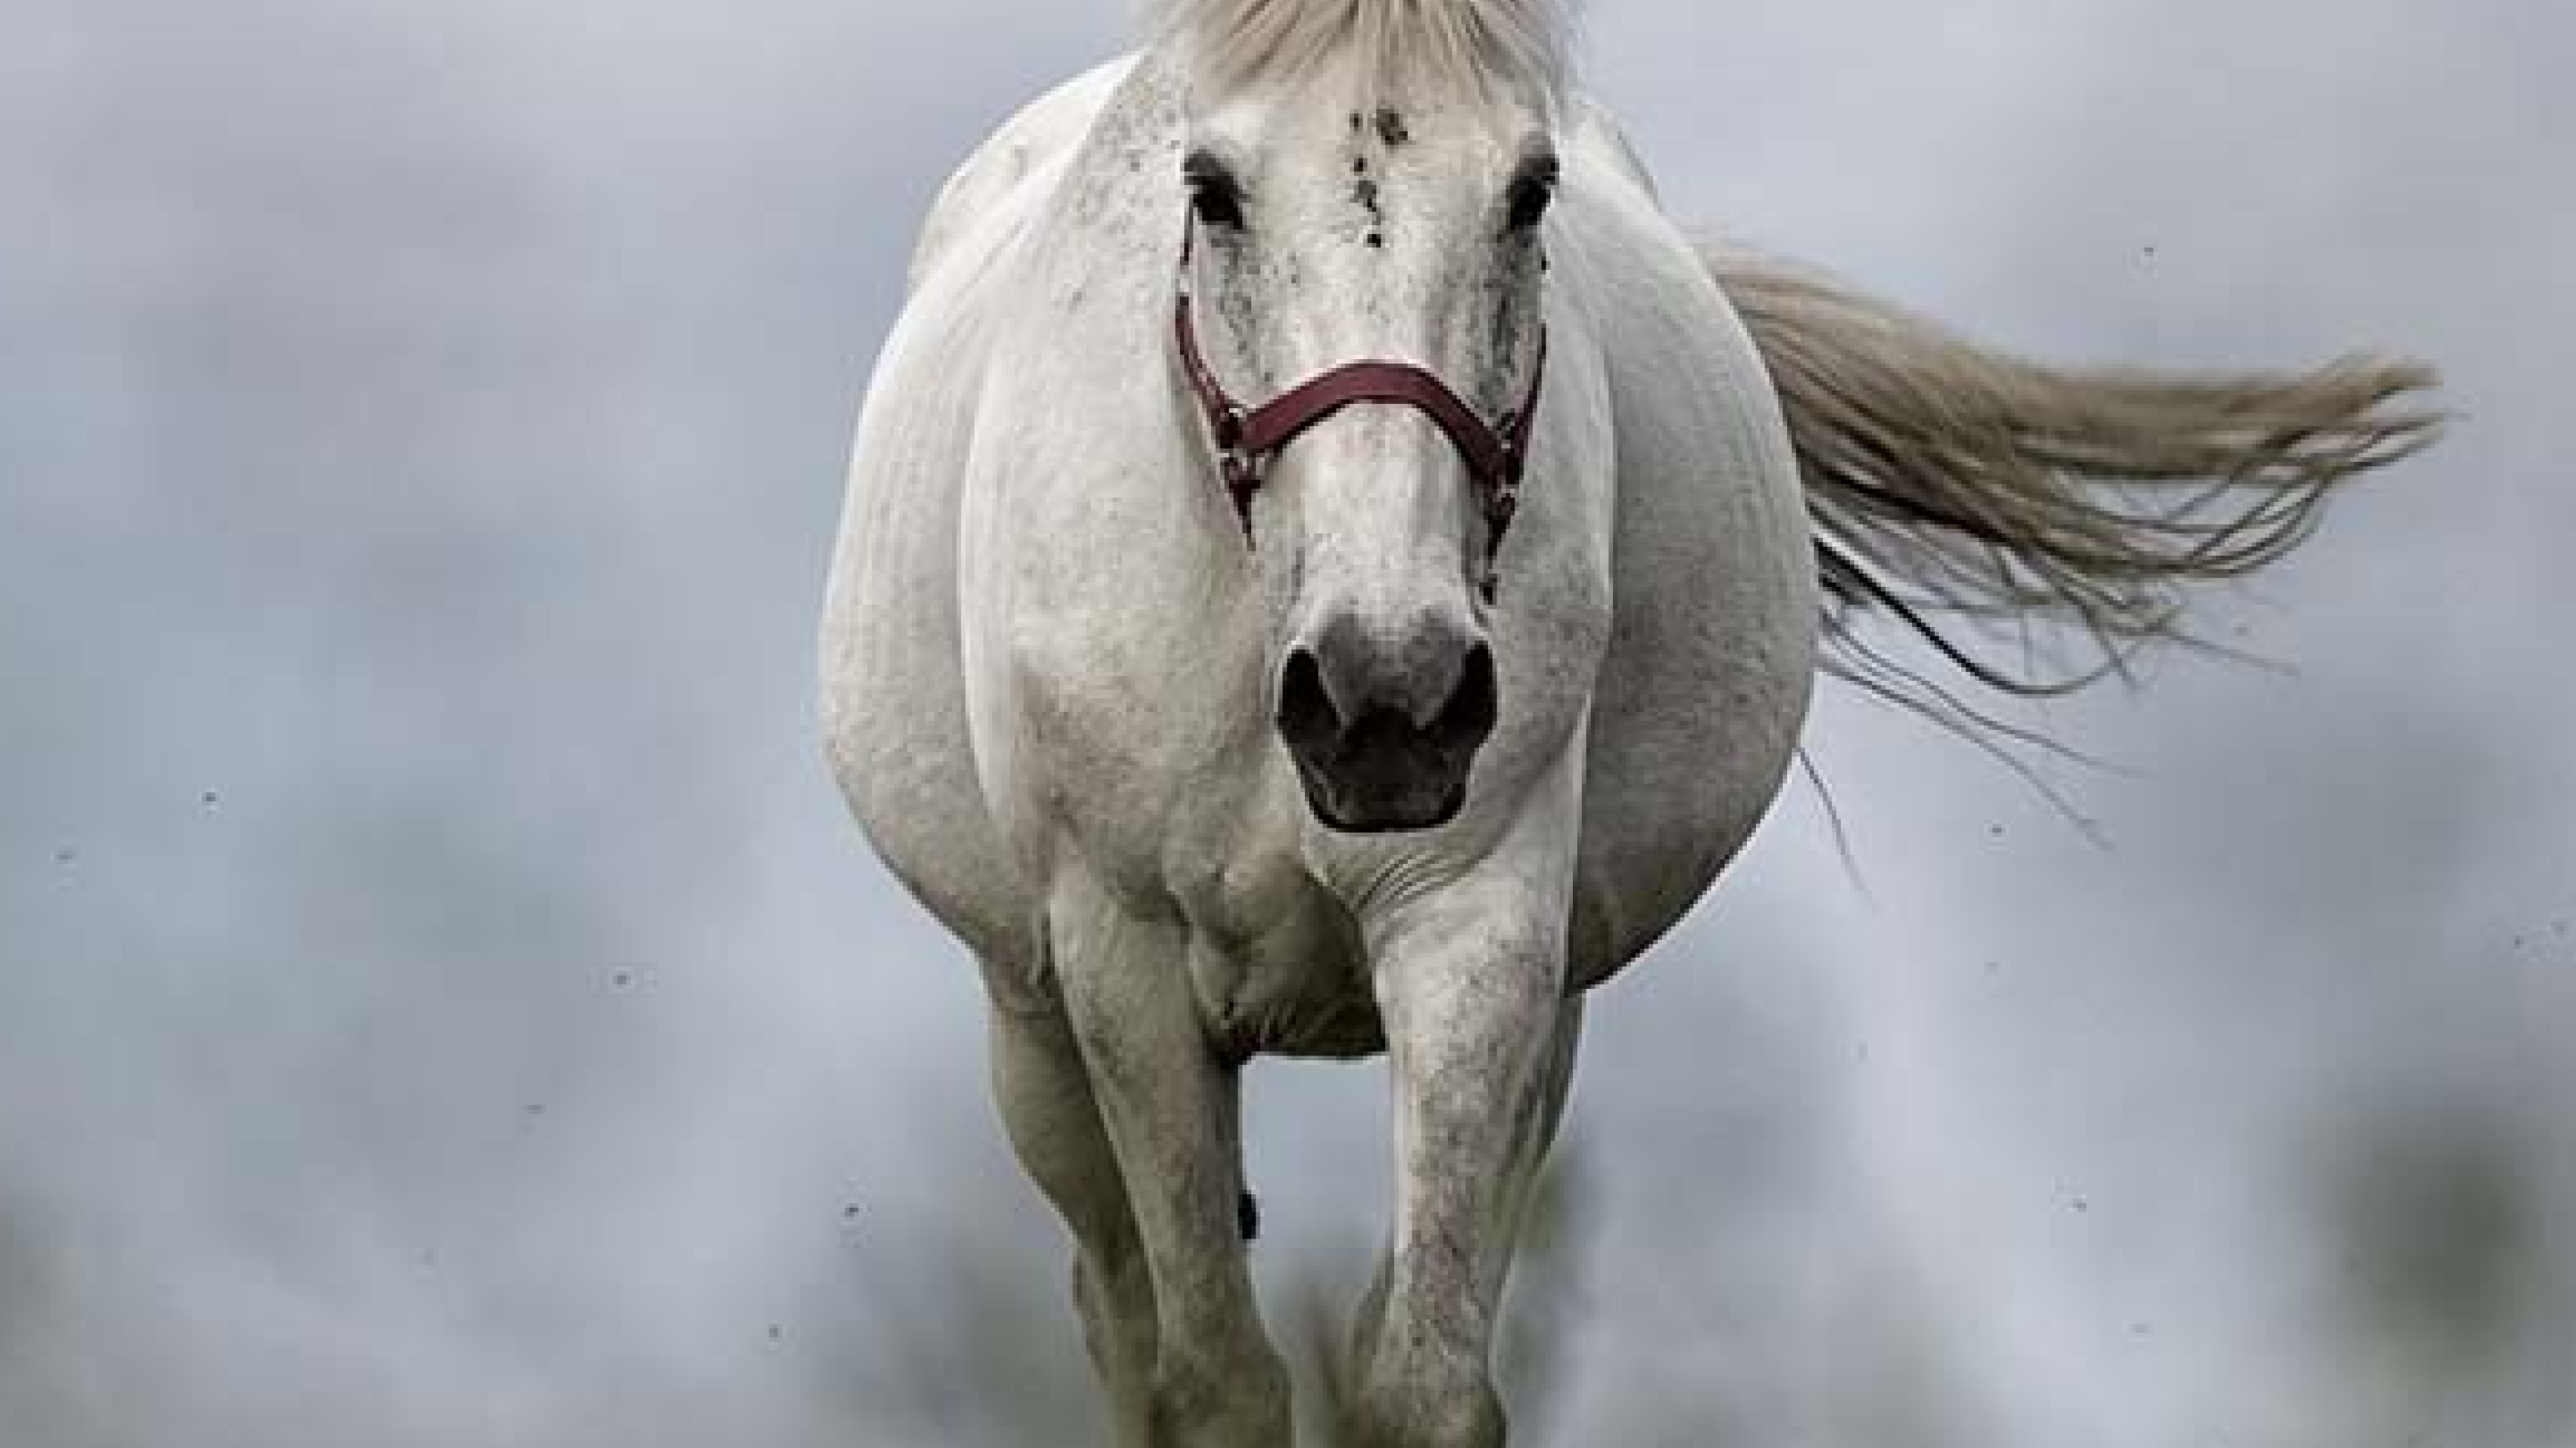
column 1212, row 743
column 1465, row 44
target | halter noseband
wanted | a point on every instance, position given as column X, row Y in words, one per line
column 1248, row 438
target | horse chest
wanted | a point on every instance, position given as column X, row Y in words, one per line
column 1179, row 808
column 1278, row 967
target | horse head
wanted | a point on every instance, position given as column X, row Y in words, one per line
column 1360, row 308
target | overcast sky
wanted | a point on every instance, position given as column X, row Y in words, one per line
column 443, row 1003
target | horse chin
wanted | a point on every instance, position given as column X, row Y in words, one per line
column 1353, row 807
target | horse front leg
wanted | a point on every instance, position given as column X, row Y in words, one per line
column 1481, row 1040
column 1170, row 1107
column 1044, row 1095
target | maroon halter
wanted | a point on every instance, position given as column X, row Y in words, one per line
column 1248, row 438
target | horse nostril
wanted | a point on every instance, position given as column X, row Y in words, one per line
column 1372, row 754
column 1473, row 705
column 1306, row 717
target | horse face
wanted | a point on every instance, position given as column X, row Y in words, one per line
column 1329, row 235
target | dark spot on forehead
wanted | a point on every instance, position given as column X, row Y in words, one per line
column 1364, row 191
column 1390, row 127
column 1356, row 121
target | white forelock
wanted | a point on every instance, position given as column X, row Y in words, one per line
column 1471, row 45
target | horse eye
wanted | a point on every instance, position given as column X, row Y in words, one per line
column 1214, row 193
column 1533, row 187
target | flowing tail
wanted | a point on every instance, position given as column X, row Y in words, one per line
column 1963, row 491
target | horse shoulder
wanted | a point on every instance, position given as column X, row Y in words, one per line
column 1074, row 555
column 1031, row 143
column 894, row 700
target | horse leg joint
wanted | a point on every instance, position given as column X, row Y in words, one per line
column 1430, row 1411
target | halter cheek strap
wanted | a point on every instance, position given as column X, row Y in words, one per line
column 1496, row 454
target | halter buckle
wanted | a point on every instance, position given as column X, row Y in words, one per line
column 1242, row 473
column 1227, row 423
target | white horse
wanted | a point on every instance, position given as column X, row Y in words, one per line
column 1329, row 568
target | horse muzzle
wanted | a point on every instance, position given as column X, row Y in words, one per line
column 1384, row 730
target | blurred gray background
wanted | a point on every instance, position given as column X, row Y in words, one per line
column 442, row 1002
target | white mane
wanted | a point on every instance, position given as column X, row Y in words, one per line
column 1468, row 45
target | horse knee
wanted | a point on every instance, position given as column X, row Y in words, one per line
column 1115, row 1300
column 1221, row 1399
column 1386, row 1396
column 1423, row 1413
